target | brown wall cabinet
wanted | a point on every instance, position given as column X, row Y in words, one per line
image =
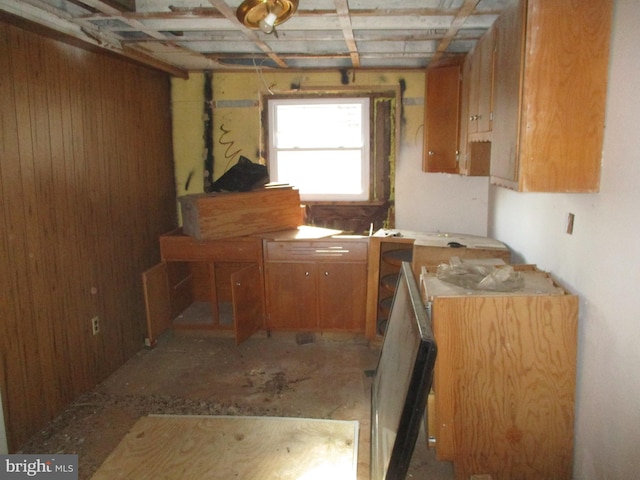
column 504, row 379
column 442, row 119
column 479, row 118
column 316, row 285
column 476, row 108
column 550, row 95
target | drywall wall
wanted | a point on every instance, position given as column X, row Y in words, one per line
column 439, row 202
column 600, row 263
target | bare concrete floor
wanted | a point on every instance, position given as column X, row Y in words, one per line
column 204, row 374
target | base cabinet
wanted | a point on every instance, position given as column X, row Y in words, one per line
column 225, row 274
column 291, row 296
column 316, row 285
column 504, row 380
column 428, row 249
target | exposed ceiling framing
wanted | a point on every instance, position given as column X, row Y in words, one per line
column 179, row 36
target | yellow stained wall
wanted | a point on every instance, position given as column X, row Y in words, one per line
column 237, row 113
column 187, row 110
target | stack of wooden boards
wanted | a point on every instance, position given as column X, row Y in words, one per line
column 210, row 216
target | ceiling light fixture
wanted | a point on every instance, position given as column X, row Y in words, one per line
column 265, row 14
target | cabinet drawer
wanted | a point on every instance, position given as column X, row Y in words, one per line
column 186, row 249
column 325, row 250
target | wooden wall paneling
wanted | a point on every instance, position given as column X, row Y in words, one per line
column 113, row 189
column 14, row 252
column 25, row 214
column 73, row 324
column 134, row 222
column 78, row 132
column 49, row 199
column 120, row 206
column 61, row 287
column 78, row 208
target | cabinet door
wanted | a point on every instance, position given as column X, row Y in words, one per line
column 442, row 110
column 342, row 296
column 291, row 296
column 502, row 360
column 563, row 101
column 484, row 78
column 480, row 74
column 155, row 284
column 508, row 68
column 548, row 124
column 465, row 115
column 247, row 298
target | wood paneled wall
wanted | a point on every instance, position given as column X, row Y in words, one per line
column 86, row 187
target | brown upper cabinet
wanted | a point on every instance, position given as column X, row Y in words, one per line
column 550, row 84
column 458, row 113
column 441, row 119
column 481, row 88
column 476, row 108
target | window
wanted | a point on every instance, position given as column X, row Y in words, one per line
column 321, row 147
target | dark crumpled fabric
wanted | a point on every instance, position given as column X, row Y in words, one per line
column 242, row 177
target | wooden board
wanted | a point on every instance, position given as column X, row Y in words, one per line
column 223, row 447
column 505, row 383
column 222, row 215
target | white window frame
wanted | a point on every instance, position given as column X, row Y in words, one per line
column 364, row 148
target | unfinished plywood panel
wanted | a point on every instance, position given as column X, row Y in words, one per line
column 221, row 215
column 223, row 447
column 505, row 384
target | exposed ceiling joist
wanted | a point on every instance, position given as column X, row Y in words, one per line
column 178, row 36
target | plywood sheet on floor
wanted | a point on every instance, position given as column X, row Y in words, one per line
column 224, row 447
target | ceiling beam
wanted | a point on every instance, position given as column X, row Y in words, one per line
column 212, row 12
column 461, row 17
column 342, row 7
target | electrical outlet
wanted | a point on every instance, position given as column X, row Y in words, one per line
column 95, row 325
column 570, row 219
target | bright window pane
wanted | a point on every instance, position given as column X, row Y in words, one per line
column 321, row 147
column 319, row 126
column 318, row 172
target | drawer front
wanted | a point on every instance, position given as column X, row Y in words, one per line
column 186, row 249
column 326, row 250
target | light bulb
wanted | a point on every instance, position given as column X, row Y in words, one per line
column 267, row 23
